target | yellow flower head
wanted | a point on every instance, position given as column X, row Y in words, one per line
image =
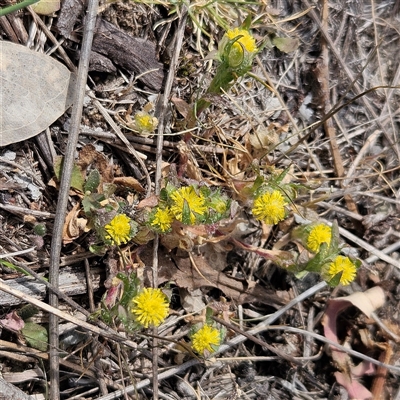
column 205, row 338
column 270, row 207
column 145, row 123
column 247, row 41
column 344, row 265
column 187, row 197
column 162, row 219
column 118, row 230
column 150, row 307
column 319, row 234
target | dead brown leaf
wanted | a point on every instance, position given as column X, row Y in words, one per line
column 202, row 275
column 73, row 226
column 130, row 182
column 348, row 374
column 89, row 155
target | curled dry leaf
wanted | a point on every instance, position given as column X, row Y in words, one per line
column 367, row 302
column 73, row 226
column 35, row 91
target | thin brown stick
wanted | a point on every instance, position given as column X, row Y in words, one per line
column 62, row 204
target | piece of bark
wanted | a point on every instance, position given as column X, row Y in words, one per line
column 9, row 391
column 70, row 11
column 100, row 63
column 72, row 282
column 134, row 54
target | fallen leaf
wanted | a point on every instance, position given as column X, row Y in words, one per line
column 130, row 182
column 201, row 275
column 181, row 105
column 150, row 201
column 286, row 45
column 77, row 177
column 36, row 335
column 46, row 7
column 73, row 226
column 35, row 91
column 12, row 321
column 90, row 156
column 178, row 269
column 347, row 375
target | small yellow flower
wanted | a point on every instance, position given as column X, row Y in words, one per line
column 319, row 234
column 145, row 123
column 150, row 307
column 118, row 230
column 205, row 338
column 162, row 219
column 269, row 207
column 195, row 203
column 344, row 265
column 247, row 41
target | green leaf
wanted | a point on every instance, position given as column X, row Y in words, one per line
column 131, row 287
column 209, row 314
column 92, row 202
column 13, row 267
column 36, row 335
column 319, row 260
column 134, row 228
column 163, row 195
column 77, row 180
column 336, row 279
column 257, row 185
column 99, row 250
column 335, row 236
column 186, row 213
column 109, row 189
column 92, row 181
column 246, row 23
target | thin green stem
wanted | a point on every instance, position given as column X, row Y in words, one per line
column 16, row 7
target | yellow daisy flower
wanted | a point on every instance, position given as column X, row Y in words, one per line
column 204, row 338
column 344, row 265
column 247, row 41
column 145, row 123
column 195, row 203
column 319, row 234
column 162, row 219
column 150, row 307
column 118, row 230
column 270, row 207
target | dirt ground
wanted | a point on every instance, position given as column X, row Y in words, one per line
column 315, row 118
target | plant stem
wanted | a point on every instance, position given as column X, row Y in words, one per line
column 16, row 7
